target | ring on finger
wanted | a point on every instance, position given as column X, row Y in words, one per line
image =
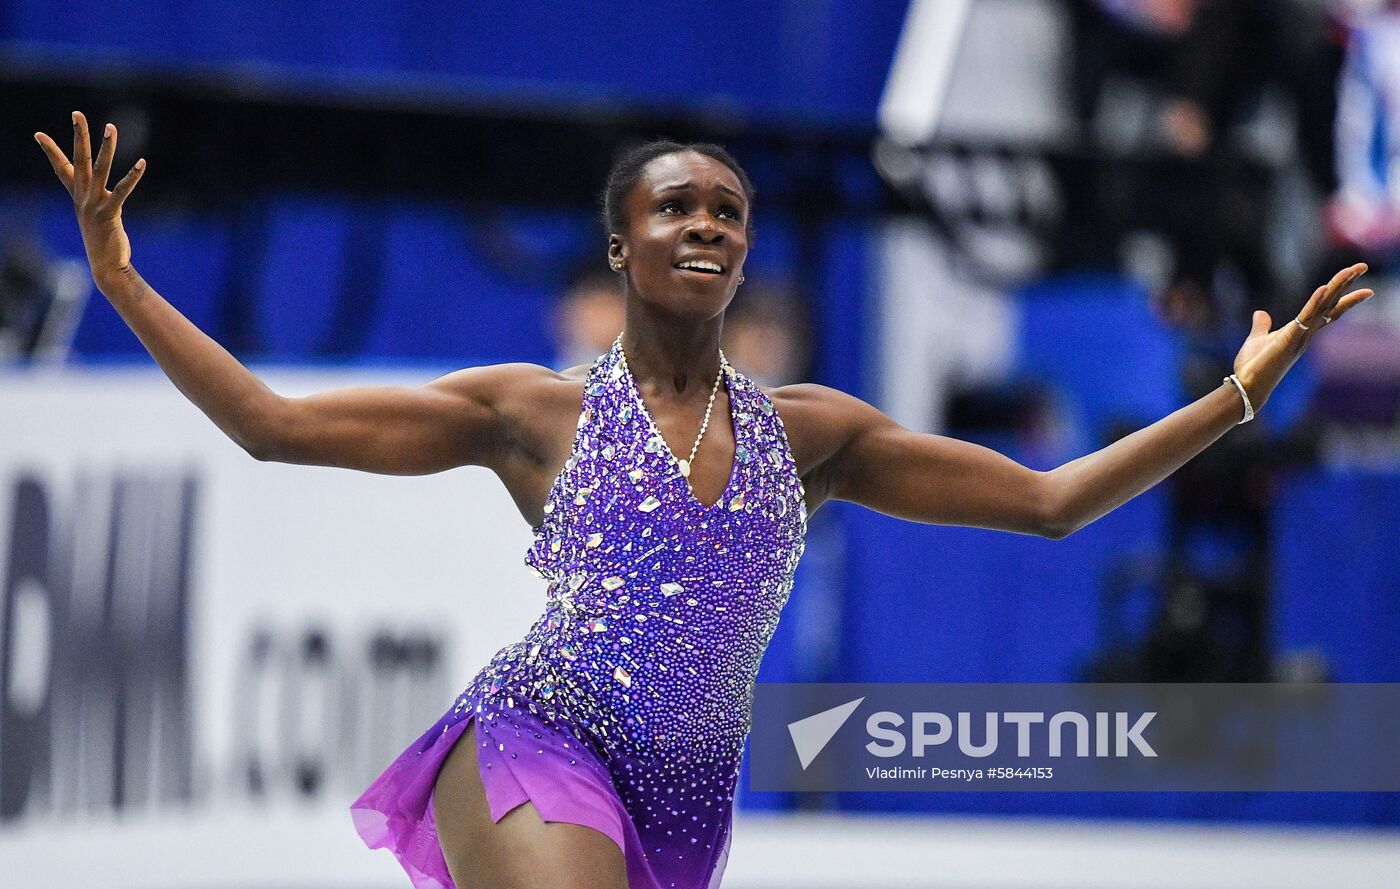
column 1326, row 318
column 1299, row 322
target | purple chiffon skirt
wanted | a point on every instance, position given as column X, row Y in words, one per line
column 522, row 758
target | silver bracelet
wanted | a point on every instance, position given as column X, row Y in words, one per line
column 1248, row 408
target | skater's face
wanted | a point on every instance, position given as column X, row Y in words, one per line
column 686, row 208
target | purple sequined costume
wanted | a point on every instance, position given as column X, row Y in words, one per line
column 626, row 706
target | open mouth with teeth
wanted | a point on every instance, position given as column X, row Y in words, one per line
column 704, row 266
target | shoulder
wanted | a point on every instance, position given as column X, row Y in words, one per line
column 821, row 413
column 532, row 407
column 808, row 397
column 513, row 385
column 820, row 421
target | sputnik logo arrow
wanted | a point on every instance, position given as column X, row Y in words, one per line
column 810, row 735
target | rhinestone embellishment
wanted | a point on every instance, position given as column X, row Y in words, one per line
column 640, row 669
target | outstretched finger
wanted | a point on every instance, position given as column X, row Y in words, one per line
column 1342, row 280
column 1325, row 297
column 1345, row 273
column 103, row 168
column 82, row 153
column 57, row 159
column 1313, row 308
column 1352, row 274
column 1346, row 302
column 128, row 182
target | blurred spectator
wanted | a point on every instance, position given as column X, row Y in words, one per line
column 1169, row 86
column 1205, row 63
column 1171, row 100
column 1358, row 396
column 1365, row 212
column 765, row 335
column 1138, row 39
column 588, row 317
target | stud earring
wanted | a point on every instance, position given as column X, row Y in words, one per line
column 741, row 280
column 617, row 264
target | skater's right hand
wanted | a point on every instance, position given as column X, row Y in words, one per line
column 99, row 211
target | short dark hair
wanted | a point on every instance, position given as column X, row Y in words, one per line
column 627, row 169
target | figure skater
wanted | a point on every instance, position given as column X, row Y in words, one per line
column 669, row 496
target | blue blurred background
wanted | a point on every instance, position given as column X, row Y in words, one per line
column 1031, row 224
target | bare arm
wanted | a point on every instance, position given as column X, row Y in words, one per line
column 1093, row 485
column 457, row 420
column 877, row 463
column 449, row 422
column 858, row 454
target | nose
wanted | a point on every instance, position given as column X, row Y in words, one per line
column 705, row 231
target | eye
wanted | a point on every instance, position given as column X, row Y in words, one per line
column 671, row 205
column 733, row 212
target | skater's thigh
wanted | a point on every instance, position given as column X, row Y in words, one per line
column 521, row 851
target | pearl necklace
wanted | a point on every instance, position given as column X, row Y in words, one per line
column 684, row 465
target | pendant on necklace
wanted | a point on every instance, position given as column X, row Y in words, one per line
column 685, row 467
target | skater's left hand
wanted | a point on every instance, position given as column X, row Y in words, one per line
column 1268, row 354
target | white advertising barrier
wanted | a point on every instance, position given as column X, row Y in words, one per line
column 204, row 658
